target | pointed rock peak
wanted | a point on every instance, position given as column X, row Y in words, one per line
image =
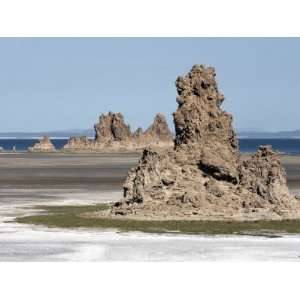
column 159, row 128
column 45, row 139
column 199, row 117
column 160, row 118
column 43, row 145
column 112, row 127
column 138, row 133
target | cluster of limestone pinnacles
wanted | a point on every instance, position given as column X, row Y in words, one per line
column 204, row 177
column 113, row 134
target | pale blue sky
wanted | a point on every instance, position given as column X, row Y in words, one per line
column 50, row 84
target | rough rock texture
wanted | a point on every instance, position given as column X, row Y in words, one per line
column 112, row 128
column 138, row 134
column 113, row 134
column 204, row 177
column 159, row 129
column 44, row 145
column 157, row 135
column 78, row 143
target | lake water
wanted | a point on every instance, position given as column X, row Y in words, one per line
column 23, row 144
column 289, row 146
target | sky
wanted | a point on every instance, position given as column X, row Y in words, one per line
column 66, row 83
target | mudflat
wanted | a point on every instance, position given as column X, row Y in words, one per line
column 85, row 172
column 92, row 172
column 292, row 167
column 40, row 178
column 32, row 179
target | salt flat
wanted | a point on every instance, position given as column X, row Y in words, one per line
column 23, row 243
column 27, row 180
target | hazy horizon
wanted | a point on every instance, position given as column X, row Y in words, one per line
column 172, row 129
column 50, row 84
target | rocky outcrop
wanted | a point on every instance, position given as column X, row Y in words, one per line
column 112, row 128
column 157, row 135
column 44, row 145
column 204, row 177
column 113, row 134
column 159, row 130
column 79, row 143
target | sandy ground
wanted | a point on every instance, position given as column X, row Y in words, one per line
column 34, row 179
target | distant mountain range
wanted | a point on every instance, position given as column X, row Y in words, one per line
column 294, row 134
column 53, row 134
column 63, row 134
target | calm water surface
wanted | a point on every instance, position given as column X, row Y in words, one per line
column 288, row 146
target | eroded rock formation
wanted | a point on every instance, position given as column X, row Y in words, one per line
column 112, row 128
column 113, row 134
column 157, row 135
column 203, row 176
column 79, row 143
column 44, row 145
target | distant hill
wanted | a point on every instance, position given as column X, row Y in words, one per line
column 60, row 134
column 295, row 134
column 52, row 134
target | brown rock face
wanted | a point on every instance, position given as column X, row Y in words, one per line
column 113, row 134
column 44, row 145
column 112, row 128
column 203, row 177
column 79, row 143
column 203, row 130
column 157, row 135
column 159, row 129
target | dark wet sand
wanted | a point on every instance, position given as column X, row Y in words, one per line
column 95, row 172
column 292, row 167
column 27, row 178
column 85, row 172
